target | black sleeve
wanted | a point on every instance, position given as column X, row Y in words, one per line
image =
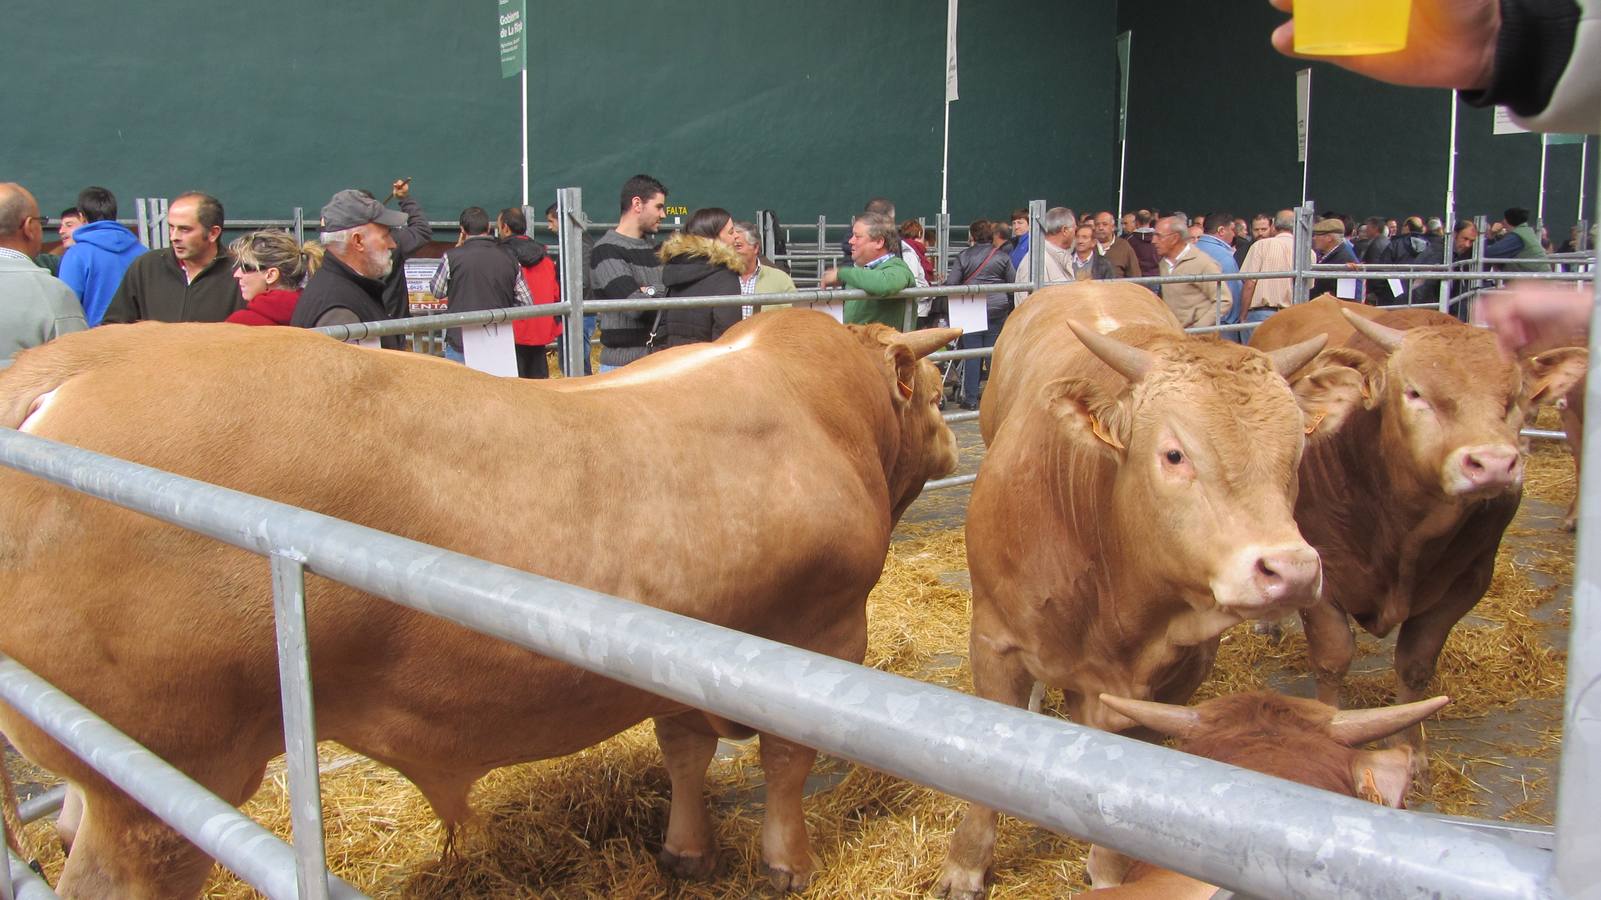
column 416, row 231
column 1531, row 53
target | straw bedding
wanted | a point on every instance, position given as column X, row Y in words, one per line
column 589, row 825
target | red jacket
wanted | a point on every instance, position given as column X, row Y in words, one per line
column 540, row 275
column 267, row 308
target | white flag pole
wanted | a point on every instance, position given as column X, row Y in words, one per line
column 525, row 134
column 1450, row 207
column 1584, row 152
column 950, row 96
column 1539, row 215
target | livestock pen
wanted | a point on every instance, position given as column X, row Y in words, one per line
column 1048, row 772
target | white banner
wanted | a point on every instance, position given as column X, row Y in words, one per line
column 950, row 52
column 1303, row 107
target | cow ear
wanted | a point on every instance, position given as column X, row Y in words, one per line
column 1336, row 384
column 1383, row 776
column 1549, row 376
column 1082, row 411
column 904, row 352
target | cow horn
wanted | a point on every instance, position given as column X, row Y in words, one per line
column 1383, row 335
column 1130, row 362
column 1165, row 718
column 1355, row 727
column 1289, row 360
column 929, row 340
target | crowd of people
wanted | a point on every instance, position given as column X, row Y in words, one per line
column 354, row 272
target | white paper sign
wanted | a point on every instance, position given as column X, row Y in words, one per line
column 1303, row 112
column 489, row 348
column 420, row 275
column 970, row 314
column 1504, row 123
column 1345, row 288
column 1397, row 288
column 835, row 308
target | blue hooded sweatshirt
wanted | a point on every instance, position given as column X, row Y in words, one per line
column 93, row 265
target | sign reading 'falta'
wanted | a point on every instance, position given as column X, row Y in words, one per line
column 513, row 51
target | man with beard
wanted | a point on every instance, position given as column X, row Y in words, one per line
column 190, row 281
column 358, row 256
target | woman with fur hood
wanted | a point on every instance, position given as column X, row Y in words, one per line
column 699, row 261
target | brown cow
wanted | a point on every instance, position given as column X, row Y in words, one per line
column 1136, row 502
column 1555, row 367
column 1408, row 500
column 752, row 482
column 1290, row 738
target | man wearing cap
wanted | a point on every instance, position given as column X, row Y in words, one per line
column 358, row 257
column 1328, row 239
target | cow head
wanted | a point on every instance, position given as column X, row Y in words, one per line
column 1452, row 405
column 927, row 448
column 1205, row 441
column 1293, row 738
column 1550, row 377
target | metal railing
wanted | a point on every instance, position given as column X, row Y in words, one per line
column 1264, row 836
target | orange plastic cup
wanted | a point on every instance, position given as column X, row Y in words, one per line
column 1351, row 27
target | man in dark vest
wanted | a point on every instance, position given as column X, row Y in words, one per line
column 477, row 274
column 349, row 288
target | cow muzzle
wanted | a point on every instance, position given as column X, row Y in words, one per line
column 1269, row 581
column 1482, row 470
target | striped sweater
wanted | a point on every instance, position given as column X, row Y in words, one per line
column 621, row 268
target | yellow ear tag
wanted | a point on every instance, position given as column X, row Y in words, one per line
column 1369, row 790
column 1107, row 438
column 906, row 389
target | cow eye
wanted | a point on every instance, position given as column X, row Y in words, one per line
column 1412, row 395
column 1174, row 457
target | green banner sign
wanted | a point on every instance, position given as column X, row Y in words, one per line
column 513, row 50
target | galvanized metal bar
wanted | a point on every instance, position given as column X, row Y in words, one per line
column 1542, row 434
column 1227, row 826
column 144, row 223
column 298, row 224
column 223, row 832
column 822, row 244
column 19, row 881
column 1578, row 864
column 37, row 807
column 1036, row 255
column 7, row 890
column 942, row 230
column 570, row 242
column 300, row 724
column 954, row 481
column 1301, row 285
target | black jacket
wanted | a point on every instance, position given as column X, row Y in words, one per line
column 409, row 238
column 696, row 267
column 154, row 287
column 338, row 287
column 482, row 275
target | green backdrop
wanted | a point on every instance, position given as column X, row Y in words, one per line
column 1212, row 124
column 804, row 108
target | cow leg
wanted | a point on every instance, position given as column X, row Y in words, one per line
column 70, row 818
column 1417, row 652
column 120, row 850
column 687, row 849
column 1001, row 677
column 786, row 849
column 1330, row 645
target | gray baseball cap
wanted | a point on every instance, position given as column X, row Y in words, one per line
column 352, row 208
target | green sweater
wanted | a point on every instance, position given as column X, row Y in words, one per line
column 890, row 277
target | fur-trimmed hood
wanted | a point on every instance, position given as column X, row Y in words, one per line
column 683, row 248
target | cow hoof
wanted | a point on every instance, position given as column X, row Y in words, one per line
column 688, row 866
column 1273, row 630
column 786, row 881
column 957, row 883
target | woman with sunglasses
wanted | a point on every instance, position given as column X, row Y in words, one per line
column 271, row 268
